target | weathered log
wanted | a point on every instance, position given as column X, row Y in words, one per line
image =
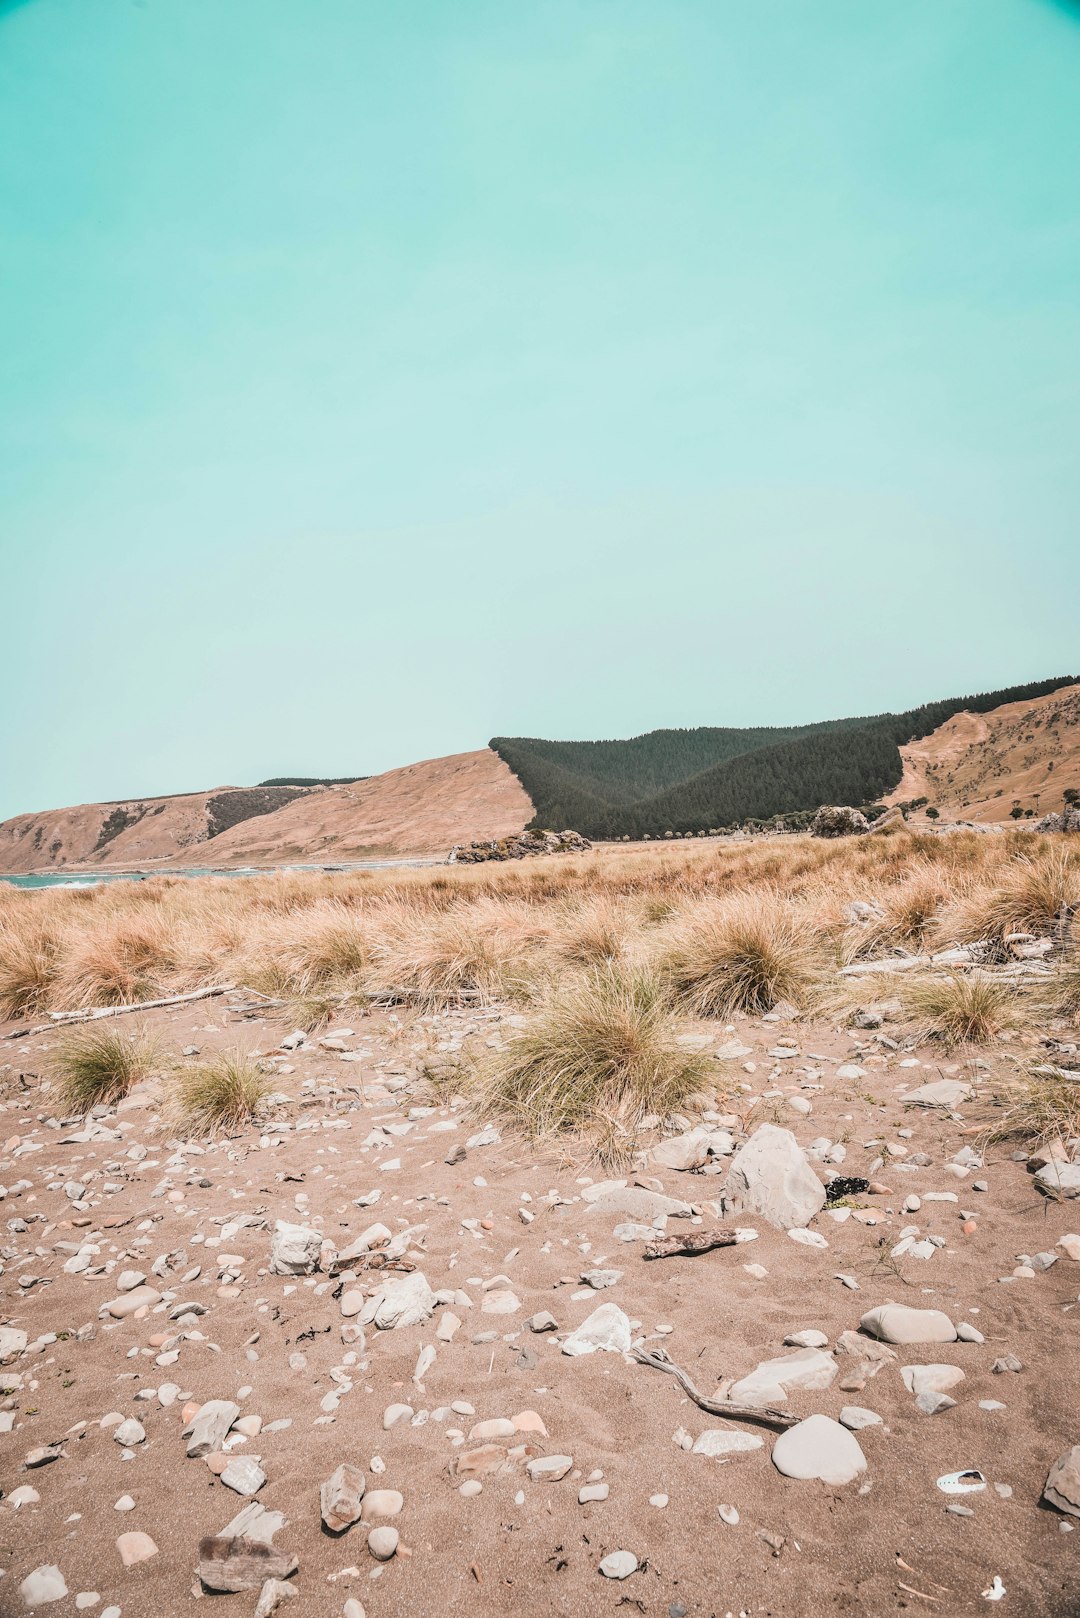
column 766, row 1415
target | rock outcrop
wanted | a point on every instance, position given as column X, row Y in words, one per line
column 524, row 846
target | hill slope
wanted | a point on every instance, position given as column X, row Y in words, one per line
column 423, row 808
column 134, row 830
column 976, row 766
column 420, row 809
column 686, row 780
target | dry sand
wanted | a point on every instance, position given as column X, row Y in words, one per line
column 847, row 1550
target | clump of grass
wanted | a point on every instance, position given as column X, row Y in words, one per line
column 124, row 959
column 599, row 1055
column 1039, row 1109
column 222, row 1094
column 29, row 966
column 961, row 1007
column 745, row 955
column 93, row 1067
column 439, row 958
column 1027, row 896
column 1066, row 988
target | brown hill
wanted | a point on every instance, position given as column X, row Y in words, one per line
column 421, row 809
column 976, row 766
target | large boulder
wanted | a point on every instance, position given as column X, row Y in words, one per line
column 523, row 846
column 771, row 1177
column 838, row 820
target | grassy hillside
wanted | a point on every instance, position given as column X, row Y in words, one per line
column 686, row 780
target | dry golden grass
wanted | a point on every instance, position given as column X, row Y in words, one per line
column 1038, row 1109
column 97, row 1065
column 742, row 923
column 30, row 960
column 220, row 1095
column 744, row 955
column 960, row 1008
column 598, row 1056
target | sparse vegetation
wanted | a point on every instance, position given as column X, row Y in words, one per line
column 218, row 1095
column 744, row 955
column 960, row 1007
column 599, row 1055
column 96, row 1065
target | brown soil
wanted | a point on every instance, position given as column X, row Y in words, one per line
column 844, row 1551
column 975, row 766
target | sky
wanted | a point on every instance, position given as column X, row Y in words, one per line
column 375, row 379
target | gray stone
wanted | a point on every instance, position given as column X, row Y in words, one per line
column 43, row 1585
column 209, row 1429
column 1059, row 1179
column 856, row 1417
column 896, row 1323
column 1062, row 1487
column 340, row 1498
column 771, row 1176
column 819, row 1448
column 946, row 1093
column 294, row 1249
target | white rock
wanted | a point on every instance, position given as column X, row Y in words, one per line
column 769, row 1382
column 43, row 1585
column 930, row 1378
column 382, row 1543
column 607, row 1328
column 294, row 1249
column 129, row 1432
column 770, row 1175
column 402, row 1301
column 808, row 1238
column 243, row 1475
column 619, row 1565
column 896, row 1323
column 819, row 1448
column 720, row 1442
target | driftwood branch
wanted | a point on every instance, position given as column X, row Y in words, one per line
column 703, row 1242
column 766, row 1415
column 60, row 1019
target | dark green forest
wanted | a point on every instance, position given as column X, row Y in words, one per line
column 692, row 780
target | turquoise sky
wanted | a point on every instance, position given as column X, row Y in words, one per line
column 377, row 377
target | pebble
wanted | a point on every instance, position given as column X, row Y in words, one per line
column 728, row 1514
column 44, row 1585
column 135, row 1547
column 619, row 1565
column 383, row 1543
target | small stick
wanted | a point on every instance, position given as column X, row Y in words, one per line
column 703, row 1242
column 766, row 1414
column 60, row 1018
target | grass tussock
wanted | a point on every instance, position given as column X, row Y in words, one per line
column 744, row 956
column 97, row 1066
column 30, row 963
column 218, row 1096
column 599, row 1055
column 1038, row 1109
column 1067, row 987
column 961, row 1008
column 738, row 924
